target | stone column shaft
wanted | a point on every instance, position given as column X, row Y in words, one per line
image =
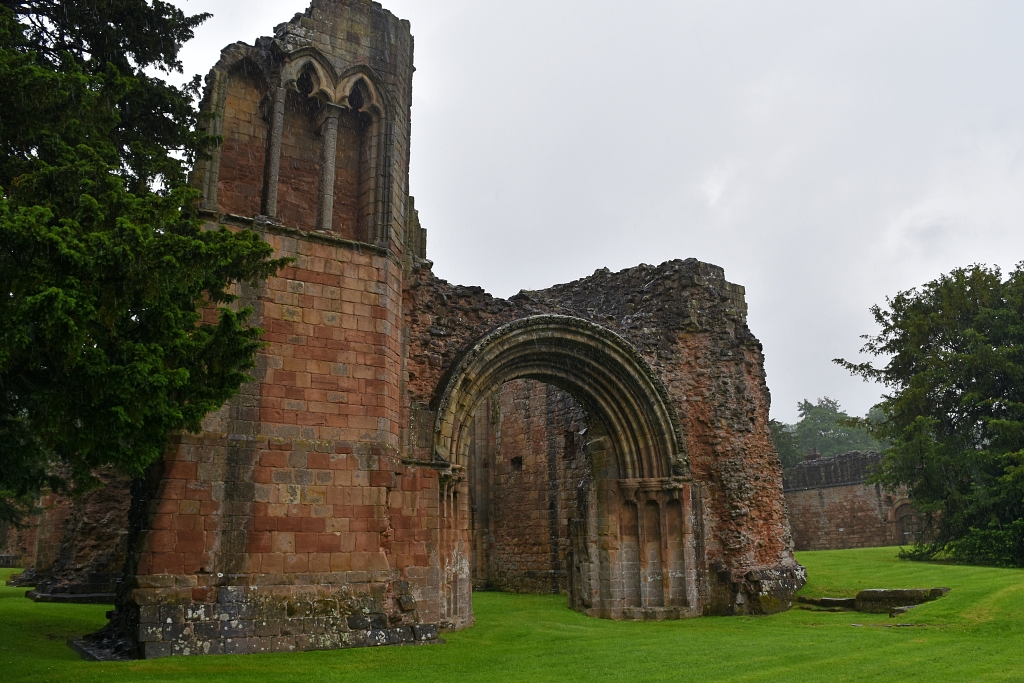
column 274, row 152
column 329, row 150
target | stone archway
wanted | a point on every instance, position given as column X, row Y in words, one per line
column 635, row 554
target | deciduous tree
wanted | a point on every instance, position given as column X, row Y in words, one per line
column 824, row 428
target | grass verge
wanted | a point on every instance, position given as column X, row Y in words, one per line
column 974, row 634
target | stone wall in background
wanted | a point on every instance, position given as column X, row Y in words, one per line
column 529, row 464
column 831, row 507
column 36, row 545
column 92, row 553
column 74, row 547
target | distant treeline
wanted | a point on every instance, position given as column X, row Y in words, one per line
column 824, row 428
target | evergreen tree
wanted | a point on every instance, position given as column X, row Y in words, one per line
column 785, row 443
column 105, row 271
column 954, row 351
column 826, row 429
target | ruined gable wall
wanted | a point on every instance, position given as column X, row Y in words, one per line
column 371, row 163
column 690, row 326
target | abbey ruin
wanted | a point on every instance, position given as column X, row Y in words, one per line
column 405, row 440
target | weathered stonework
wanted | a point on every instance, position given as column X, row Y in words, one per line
column 341, row 499
column 93, row 548
column 36, row 545
column 74, row 547
column 831, row 507
column 684, row 328
column 530, row 462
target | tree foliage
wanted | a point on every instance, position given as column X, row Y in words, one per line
column 824, row 428
column 785, row 443
column 955, row 414
column 105, row 271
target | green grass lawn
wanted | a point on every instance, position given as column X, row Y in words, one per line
column 976, row 633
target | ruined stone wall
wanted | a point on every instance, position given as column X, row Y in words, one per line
column 839, row 517
column 36, row 545
column 292, row 521
column 74, row 546
column 92, row 553
column 689, row 324
column 316, row 125
column 320, row 509
column 529, row 462
column 297, row 483
column 831, row 507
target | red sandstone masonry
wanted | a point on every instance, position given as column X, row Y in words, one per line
column 689, row 324
column 831, row 507
column 319, row 509
column 243, row 153
column 529, row 461
column 37, row 544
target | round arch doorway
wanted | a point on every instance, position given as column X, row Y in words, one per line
column 634, row 546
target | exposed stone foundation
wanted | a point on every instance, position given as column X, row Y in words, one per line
column 340, row 609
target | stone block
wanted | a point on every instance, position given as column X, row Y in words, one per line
column 237, row 628
column 176, row 633
column 240, row 646
column 399, row 635
column 263, row 628
column 882, row 600
column 425, row 632
column 207, row 630
column 156, row 650
column 231, row 594
column 149, row 614
column 150, row 633
column 358, row 622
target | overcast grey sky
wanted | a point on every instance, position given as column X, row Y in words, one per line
column 825, row 154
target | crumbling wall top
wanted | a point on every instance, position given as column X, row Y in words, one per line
column 840, row 470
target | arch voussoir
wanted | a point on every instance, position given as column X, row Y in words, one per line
column 594, row 364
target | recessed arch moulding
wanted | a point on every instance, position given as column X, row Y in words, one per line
column 327, row 505
column 637, row 463
column 662, row 360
